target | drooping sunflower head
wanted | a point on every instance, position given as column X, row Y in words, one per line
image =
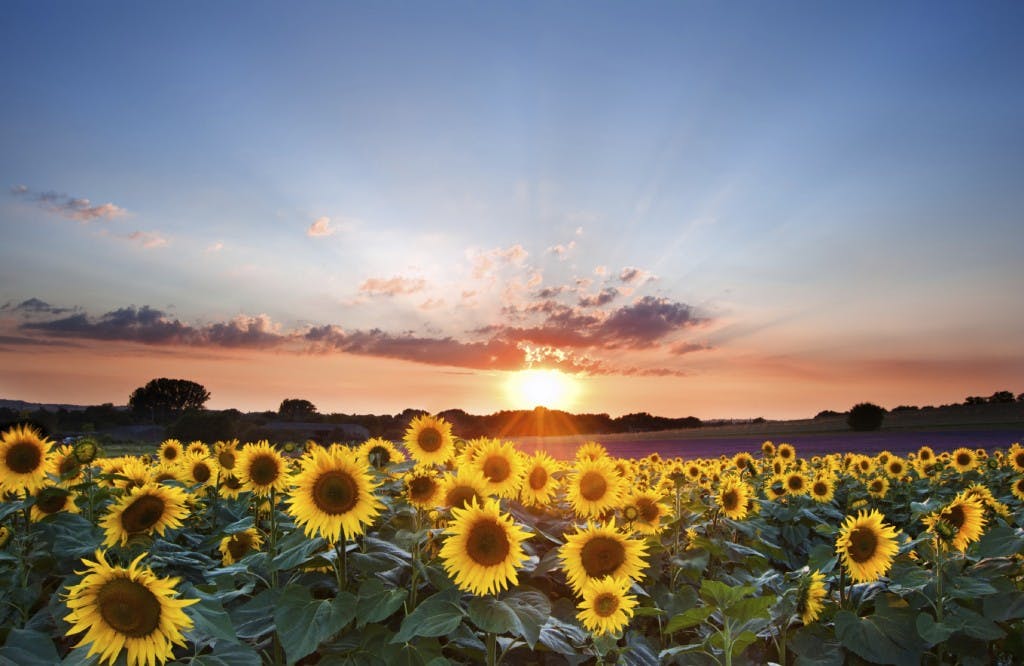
column 466, row 485
column 333, row 494
column 732, row 498
column 429, row 440
column 605, row 607
column 144, row 510
column 236, row 546
column 960, row 523
column 171, row 451
column 599, row 550
column 261, row 468
column 594, row 487
column 502, row 466
column 423, row 487
column 866, row 546
column 127, row 611
column 822, row 489
column 591, row 450
column 380, row 453
column 86, row 450
column 539, row 482
column 810, row 597
column 483, row 548
column 964, row 459
column 24, row 459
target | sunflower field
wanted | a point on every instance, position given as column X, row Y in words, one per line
column 441, row 551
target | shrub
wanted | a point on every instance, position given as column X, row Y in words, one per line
column 865, row 416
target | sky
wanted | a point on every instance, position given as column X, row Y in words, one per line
column 723, row 210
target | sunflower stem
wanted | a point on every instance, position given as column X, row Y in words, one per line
column 938, row 593
column 272, row 536
column 842, row 587
column 341, row 562
column 492, row 649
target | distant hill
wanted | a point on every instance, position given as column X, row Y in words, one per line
column 32, row 406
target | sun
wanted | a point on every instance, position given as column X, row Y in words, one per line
column 544, row 388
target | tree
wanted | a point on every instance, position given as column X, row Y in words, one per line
column 164, row 399
column 865, row 416
column 1001, row 396
column 296, row 409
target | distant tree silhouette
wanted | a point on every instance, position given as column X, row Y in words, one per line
column 164, row 399
column 865, row 416
column 1001, row 396
column 825, row 413
column 296, row 409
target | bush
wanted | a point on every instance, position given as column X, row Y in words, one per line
column 865, row 416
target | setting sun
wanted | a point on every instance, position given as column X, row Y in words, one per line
column 545, row 388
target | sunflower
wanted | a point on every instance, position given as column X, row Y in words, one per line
column 136, row 472
column 1017, row 487
column 226, row 453
column 127, row 610
column 86, row 450
column 165, row 472
column 591, row 451
column 796, row 483
column 5, row 535
column 743, row 462
column 786, row 452
column 605, row 607
column 1016, row 456
column 66, row 465
column 429, row 440
column 767, row 449
column 600, row 550
column 483, row 548
column 333, row 495
column 878, row 487
column 24, row 459
column 810, row 596
column 171, row 451
column 594, row 487
column 822, row 489
column 422, row 487
column 960, row 523
column 459, row 488
column 964, row 459
column 144, row 510
column 199, row 469
column 261, row 468
column 539, row 485
column 380, row 453
column 866, row 546
column 925, row 454
column 896, row 467
column 229, row 486
column 502, row 467
column 865, row 465
column 236, row 546
column 651, row 510
column 51, row 500
column 732, row 498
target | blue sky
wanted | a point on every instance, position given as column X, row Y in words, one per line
column 796, row 192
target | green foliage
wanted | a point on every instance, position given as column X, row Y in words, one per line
column 163, row 399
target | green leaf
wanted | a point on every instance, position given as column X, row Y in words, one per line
column 29, row 648
column 438, row 615
column 255, row 618
column 968, row 587
column 376, row 602
column 814, row 645
column 742, row 642
column 561, row 637
column 931, row 631
column 999, row 541
column 878, row 638
column 520, row 614
column 748, row 609
column 208, row 616
column 304, row 622
column 823, row 558
column 295, row 549
column 908, row 576
column 974, row 624
column 1004, row 606
column 228, row 654
column 721, row 595
column 689, row 618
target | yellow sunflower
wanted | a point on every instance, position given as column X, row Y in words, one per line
column 130, row 611
column 866, row 546
column 229, row 486
column 743, row 462
column 1017, row 487
column 539, row 485
column 796, row 483
column 732, row 498
column 144, row 510
column 236, row 546
column 925, row 454
column 810, row 597
column 333, row 495
column 24, row 459
column 599, row 550
column 767, row 449
column 165, row 472
column 261, row 468
column 502, row 467
column 650, row 511
column 960, row 523
column 429, row 440
column 136, row 472
column 822, row 489
column 226, row 454
column 457, row 490
column 1016, row 457
column 66, row 465
column 878, row 487
column 594, row 487
column 380, row 453
column 171, row 451
column 51, row 500
column 199, row 469
column 964, row 459
column 591, row 451
column 896, row 467
column 605, row 607
column 786, row 452
column 483, row 548
column 422, row 487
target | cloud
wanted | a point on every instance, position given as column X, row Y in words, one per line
column 431, row 304
column 562, row 251
column 147, row 239
column 392, row 286
column 75, row 208
column 688, row 347
column 636, row 276
column 485, row 262
column 603, row 297
column 321, row 227
column 33, row 306
column 601, row 270
column 216, row 247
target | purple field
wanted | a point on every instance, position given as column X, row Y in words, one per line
column 692, row 446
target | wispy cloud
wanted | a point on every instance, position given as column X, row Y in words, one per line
column 74, row 208
column 600, row 299
column 484, row 262
column 635, row 276
column 147, row 239
column 321, row 227
column 394, row 286
column 688, row 348
column 562, row 251
column 33, row 306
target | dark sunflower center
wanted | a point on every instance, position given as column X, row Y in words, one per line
column 1019, row 485
column 605, row 604
column 863, row 544
column 593, row 486
column 421, row 488
column 648, row 510
column 68, row 466
column 926, row 455
column 335, row 492
column 896, row 469
column 602, row 556
column 955, row 516
column 876, row 486
column 24, row 457
column 226, row 459
column 232, row 483
column 142, row 514
column 51, row 500
column 730, row 500
column 240, row 545
column 379, row 456
column 741, row 463
column 459, row 497
column 963, row 459
column 693, row 472
column 430, row 439
column 820, row 488
column 263, row 470
column 795, row 483
column 1018, row 459
column 201, row 472
column 538, row 478
column 164, row 476
column 129, row 607
column 497, row 468
column 486, row 543
column 785, row 453
column 170, row 453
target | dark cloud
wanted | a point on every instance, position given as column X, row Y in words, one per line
column 33, row 306
column 603, row 297
column 75, row 208
column 633, row 275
